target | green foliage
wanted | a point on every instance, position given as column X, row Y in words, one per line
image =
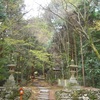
column 42, row 56
column 24, row 40
column 51, row 76
column 12, row 10
column 3, row 73
column 41, row 29
column 92, row 68
column 14, row 42
column 75, row 95
column 92, row 96
column 4, row 59
column 2, row 11
column 78, row 17
column 93, row 71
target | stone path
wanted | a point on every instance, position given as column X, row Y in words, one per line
column 45, row 94
column 42, row 92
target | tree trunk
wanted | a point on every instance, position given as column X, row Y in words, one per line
column 83, row 71
column 95, row 50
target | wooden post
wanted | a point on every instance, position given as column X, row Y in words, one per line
column 21, row 97
column 21, row 92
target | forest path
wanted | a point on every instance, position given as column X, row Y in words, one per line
column 41, row 90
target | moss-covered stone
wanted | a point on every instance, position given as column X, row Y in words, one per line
column 78, row 95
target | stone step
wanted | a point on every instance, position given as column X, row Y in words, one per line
column 44, row 91
column 65, row 99
column 43, row 96
column 43, row 99
column 47, row 98
column 41, row 93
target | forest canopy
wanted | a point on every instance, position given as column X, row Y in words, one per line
column 68, row 29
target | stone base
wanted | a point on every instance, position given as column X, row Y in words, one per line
column 73, row 84
column 73, row 80
column 10, row 82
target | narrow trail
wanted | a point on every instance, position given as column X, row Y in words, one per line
column 41, row 91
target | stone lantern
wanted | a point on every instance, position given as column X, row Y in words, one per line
column 11, row 68
column 10, row 81
column 73, row 70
